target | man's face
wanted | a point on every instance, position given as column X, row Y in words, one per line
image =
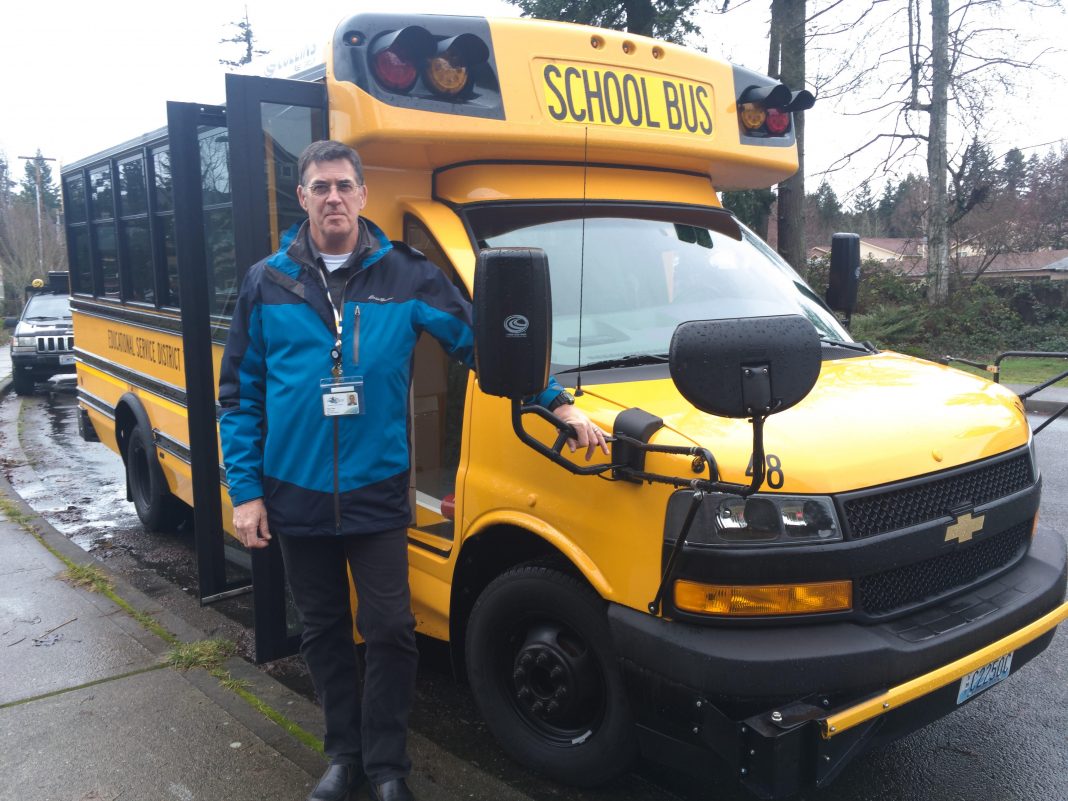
column 333, row 198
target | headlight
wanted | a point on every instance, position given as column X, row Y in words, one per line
column 26, row 342
column 759, row 520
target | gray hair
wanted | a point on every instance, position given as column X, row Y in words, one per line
column 329, row 150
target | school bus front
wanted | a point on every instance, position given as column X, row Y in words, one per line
column 892, row 551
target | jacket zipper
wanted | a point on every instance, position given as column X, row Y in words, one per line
column 356, row 338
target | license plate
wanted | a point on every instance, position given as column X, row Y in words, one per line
column 983, row 678
column 68, row 359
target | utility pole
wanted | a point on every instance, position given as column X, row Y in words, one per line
column 40, row 208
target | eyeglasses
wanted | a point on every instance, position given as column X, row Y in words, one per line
column 322, row 189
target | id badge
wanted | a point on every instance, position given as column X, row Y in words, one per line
column 342, row 395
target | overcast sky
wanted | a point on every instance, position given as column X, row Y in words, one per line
column 81, row 76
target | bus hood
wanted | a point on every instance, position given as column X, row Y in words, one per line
column 869, row 420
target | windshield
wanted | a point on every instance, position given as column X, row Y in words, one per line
column 645, row 271
column 47, row 307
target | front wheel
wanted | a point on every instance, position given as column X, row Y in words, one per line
column 156, row 507
column 545, row 677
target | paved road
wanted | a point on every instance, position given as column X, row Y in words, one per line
column 1007, row 745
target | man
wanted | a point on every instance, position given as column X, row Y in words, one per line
column 314, row 391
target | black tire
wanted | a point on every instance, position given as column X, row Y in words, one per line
column 156, row 507
column 23, row 383
column 545, row 677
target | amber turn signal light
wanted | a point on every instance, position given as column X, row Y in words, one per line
column 763, row 600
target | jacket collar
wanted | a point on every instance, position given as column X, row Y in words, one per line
column 297, row 251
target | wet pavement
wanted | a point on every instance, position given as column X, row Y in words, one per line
column 1008, row 744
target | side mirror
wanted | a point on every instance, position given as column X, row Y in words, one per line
column 845, row 273
column 11, row 322
column 747, row 367
column 513, row 321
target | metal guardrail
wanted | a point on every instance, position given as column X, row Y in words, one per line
column 995, row 370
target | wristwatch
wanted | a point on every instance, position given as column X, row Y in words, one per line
column 561, row 399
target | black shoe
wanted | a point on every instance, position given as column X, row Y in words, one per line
column 338, row 783
column 393, row 790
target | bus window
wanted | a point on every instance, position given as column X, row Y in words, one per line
column 287, row 130
column 164, row 247
column 81, row 270
column 218, row 219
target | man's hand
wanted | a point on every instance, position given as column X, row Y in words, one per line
column 587, row 435
column 250, row 524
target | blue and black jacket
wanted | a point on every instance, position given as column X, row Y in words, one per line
column 323, row 475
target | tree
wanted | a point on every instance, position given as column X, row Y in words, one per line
column 49, row 190
column 20, row 238
column 954, row 60
column 786, row 62
column 752, row 207
column 242, row 36
column 671, row 20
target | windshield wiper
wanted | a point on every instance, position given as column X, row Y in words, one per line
column 632, row 360
column 861, row 347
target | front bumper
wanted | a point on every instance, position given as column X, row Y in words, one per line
column 714, row 688
column 43, row 365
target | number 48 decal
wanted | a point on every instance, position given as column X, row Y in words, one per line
column 774, row 475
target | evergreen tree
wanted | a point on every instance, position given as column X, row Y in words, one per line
column 1014, row 173
column 28, row 186
column 752, row 207
column 864, row 209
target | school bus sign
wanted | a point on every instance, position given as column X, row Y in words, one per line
column 589, row 94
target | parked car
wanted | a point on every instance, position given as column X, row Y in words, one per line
column 42, row 344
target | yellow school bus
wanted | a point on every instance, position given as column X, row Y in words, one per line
column 866, row 564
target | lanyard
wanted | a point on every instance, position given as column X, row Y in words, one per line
column 335, row 352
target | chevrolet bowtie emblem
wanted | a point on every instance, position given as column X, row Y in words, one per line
column 964, row 527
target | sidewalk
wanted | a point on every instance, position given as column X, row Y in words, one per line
column 90, row 710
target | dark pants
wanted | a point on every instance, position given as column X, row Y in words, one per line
column 375, row 730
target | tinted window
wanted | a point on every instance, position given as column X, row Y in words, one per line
column 222, row 264
column 139, row 256
column 78, row 257
column 171, row 295
column 109, row 259
column 161, row 165
column 101, row 198
column 75, row 201
column 132, row 193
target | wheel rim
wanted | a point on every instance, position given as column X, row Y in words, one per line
column 556, row 683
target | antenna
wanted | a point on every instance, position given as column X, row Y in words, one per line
column 582, row 252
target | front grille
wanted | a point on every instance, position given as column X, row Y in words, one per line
column 921, row 503
column 881, row 593
column 55, row 344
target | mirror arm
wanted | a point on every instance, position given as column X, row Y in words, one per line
column 691, row 514
column 554, row 454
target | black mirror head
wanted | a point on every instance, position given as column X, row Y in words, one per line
column 845, row 273
column 513, row 321
column 745, row 367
